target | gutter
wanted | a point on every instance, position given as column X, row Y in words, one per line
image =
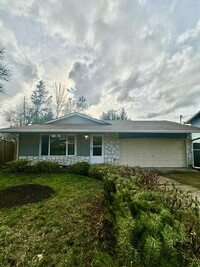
column 94, row 131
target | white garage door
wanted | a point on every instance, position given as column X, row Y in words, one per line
column 153, row 152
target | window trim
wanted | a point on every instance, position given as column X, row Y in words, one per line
column 193, row 159
column 49, row 145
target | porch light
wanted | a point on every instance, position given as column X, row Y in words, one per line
column 86, row 136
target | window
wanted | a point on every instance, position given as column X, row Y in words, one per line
column 71, row 145
column 58, row 144
column 45, row 145
column 97, row 145
column 196, row 154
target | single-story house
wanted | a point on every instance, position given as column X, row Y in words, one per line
column 77, row 137
column 195, row 121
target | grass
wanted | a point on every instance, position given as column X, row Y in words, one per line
column 184, row 177
column 56, row 231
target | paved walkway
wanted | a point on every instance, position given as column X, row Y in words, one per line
column 193, row 190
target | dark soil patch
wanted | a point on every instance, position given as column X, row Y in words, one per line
column 24, row 194
column 99, row 225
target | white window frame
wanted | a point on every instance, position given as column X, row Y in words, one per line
column 194, row 149
column 91, row 149
column 49, row 146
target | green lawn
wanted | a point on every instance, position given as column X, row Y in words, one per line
column 185, row 177
column 59, row 231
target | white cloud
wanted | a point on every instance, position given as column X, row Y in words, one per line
column 116, row 53
column 17, row 8
column 189, row 34
column 142, row 2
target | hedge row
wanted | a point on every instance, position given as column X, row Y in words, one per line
column 80, row 168
column 151, row 225
column 25, row 166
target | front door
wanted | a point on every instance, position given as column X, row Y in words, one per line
column 97, row 149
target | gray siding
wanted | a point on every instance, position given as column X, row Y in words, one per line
column 29, row 144
column 83, row 145
column 196, row 122
column 152, row 135
column 75, row 120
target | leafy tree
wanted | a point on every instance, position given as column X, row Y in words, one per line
column 41, row 104
column 123, row 115
column 115, row 115
column 5, row 73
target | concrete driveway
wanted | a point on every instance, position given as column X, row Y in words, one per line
column 169, row 181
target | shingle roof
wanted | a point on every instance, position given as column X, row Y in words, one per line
column 196, row 115
column 114, row 126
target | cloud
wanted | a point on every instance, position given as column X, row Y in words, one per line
column 137, row 54
column 84, row 75
column 17, row 8
column 142, row 2
column 189, row 34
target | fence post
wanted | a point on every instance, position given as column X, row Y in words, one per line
column 6, row 151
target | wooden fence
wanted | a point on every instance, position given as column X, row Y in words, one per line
column 8, row 151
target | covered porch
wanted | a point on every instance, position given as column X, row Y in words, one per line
column 69, row 148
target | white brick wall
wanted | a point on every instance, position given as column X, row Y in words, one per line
column 63, row 160
column 111, row 148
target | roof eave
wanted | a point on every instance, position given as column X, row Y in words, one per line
column 93, row 131
column 193, row 118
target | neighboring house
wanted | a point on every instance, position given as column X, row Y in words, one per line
column 77, row 137
column 195, row 121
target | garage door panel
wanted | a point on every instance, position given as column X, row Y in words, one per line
column 153, row 152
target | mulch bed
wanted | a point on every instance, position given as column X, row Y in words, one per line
column 24, row 194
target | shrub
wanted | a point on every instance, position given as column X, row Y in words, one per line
column 81, row 168
column 45, row 167
column 99, row 171
column 126, row 171
column 151, row 225
column 148, row 179
column 17, row 166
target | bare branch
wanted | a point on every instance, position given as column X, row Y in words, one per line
column 60, row 95
column 5, row 72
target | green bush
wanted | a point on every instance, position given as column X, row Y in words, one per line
column 17, row 166
column 152, row 225
column 25, row 166
column 81, row 168
column 99, row 171
column 45, row 167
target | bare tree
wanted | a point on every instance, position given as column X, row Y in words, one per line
column 20, row 114
column 5, row 72
column 70, row 106
column 60, row 95
column 76, row 105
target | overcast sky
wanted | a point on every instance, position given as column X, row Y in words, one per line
column 143, row 55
